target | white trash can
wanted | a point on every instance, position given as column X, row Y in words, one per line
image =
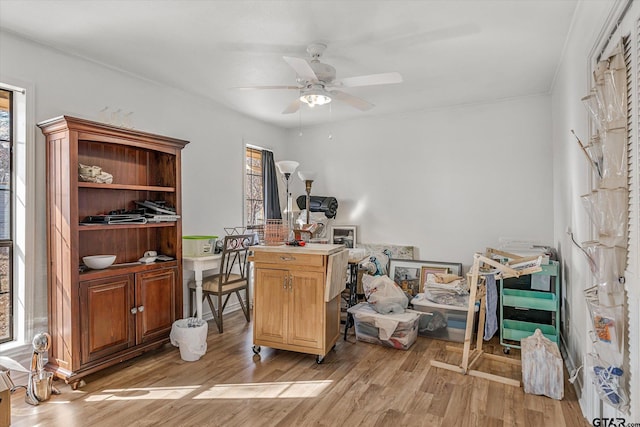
column 190, row 335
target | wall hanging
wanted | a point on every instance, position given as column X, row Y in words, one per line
column 607, row 207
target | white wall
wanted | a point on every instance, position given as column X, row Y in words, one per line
column 571, row 179
column 213, row 162
column 450, row 181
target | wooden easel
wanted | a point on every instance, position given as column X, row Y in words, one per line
column 477, row 292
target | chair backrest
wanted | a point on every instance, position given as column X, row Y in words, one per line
column 234, row 258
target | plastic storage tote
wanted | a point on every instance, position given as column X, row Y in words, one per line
column 198, row 245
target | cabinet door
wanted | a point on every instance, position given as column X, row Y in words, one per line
column 155, row 303
column 106, row 321
column 270, row 305
column 306, row 309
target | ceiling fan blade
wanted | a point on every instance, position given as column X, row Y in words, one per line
column 369, row 80
column 293, row 107
column 266, row 87
column 302, row 68
column 354, row 101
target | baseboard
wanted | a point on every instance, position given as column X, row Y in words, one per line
column 230, row 308
column 578, row 385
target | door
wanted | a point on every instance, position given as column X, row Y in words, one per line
column 155, row 304
column 306, row 311
column 106, row 321
column 270, row 305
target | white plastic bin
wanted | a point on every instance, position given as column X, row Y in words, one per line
column 445, row 322
column 190, row 335
column 198, row 245
column 392, row 330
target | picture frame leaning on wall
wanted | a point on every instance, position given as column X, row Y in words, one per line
column 344, row 235
column 410, row 275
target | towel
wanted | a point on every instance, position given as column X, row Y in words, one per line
column 491, row 300
column 458, row 286
column 335, row 275
column 446, row 278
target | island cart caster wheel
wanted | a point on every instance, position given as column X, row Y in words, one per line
column 506, row 350
column 256, row 349
column 319, row 359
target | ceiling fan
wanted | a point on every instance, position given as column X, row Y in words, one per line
column 318, row 85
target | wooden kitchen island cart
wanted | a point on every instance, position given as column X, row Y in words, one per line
column 297, row 297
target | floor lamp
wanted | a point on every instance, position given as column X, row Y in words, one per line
column 286, row 168
column 308, row 178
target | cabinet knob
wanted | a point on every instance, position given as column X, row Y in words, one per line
column 284, row 282
column 134, row 310
column 290, row 283
column 141, row 308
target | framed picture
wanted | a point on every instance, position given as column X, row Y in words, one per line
column 410, row 275
column 344, row 235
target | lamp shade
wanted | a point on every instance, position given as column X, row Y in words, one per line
column 287, row 166
column 315, row 94
column 315, row 97
column 306, row 175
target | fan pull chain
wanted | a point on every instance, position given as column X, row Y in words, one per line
column 330, row 136
column 300, row 121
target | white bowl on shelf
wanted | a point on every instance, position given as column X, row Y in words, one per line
column 98, row 262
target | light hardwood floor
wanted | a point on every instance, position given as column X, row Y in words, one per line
column 358, row 384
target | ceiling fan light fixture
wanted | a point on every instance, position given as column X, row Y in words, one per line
column 315, row 96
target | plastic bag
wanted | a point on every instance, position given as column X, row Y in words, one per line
column 542, row 368
column 609, row 381
column 190, row 335
column 384, row 295
column 608, row 328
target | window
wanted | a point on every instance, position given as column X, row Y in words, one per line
column 6, row 229
column 254, row 194
column 19, row 298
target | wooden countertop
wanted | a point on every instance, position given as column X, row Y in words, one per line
column 309, row 248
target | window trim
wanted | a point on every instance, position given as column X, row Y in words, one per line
column 246, row 197
column 9, row 242
column 248, row 144
column 29, row 260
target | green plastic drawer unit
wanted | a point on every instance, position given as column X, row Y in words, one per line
column 550, row 269
column 529, row 299
column 516, row 330
column 517, row 295
column 526, row 281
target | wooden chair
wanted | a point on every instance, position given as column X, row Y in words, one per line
column 231, row 278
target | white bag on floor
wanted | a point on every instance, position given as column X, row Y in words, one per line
column 542, row 366
column 384, row 295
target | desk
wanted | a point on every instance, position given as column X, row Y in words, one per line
column 198, row 264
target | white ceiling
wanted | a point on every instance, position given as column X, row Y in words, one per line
column 448, row 52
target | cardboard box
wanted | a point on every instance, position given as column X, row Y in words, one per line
column 392, row 330
column 5, row 399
